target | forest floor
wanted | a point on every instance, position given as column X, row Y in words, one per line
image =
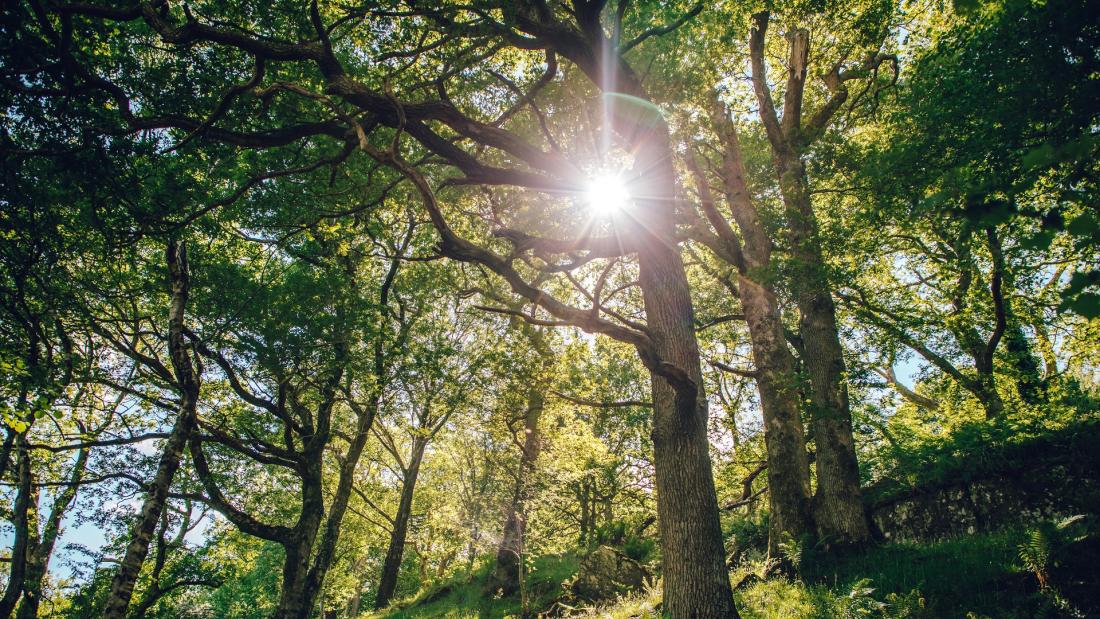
column 977, row 576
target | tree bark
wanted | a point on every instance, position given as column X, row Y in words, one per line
column 837, row 504
column 39, row 555
column 776, row 379
column 391, row 567
column 696, row 581
column 294, row 603
column 122, row 585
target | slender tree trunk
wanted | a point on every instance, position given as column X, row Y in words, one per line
column 39, row 555
column 784, row 440
column 122, row 585
column 22, row 519
column 365, row 416
column 505, row 577
column 776, row 378
column 391, row 567
column 327, row 550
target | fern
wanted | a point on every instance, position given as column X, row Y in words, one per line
column 1045, row 543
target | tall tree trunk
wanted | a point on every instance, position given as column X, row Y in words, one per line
column 39, row 555
column 364, row 415
column 292, row 600
column 784, row 439
column 776, row 378
column 22, row 519
column 391, row 567
column 122, row 585
column 696, row 581
column 838, row 503
column 505, row 577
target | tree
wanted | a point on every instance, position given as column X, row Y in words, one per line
column 441, row 380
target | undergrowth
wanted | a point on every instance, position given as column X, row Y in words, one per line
column 464, row 596
column 973, row 577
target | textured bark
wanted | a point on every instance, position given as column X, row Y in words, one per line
column 122, row 585
column 784, row 438
column 391, row 567
column 776, row 379
column 696, row 582
column 837, row 505
column 294, row 603
column 342, row 494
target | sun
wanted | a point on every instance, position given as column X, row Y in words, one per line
column 607, row 194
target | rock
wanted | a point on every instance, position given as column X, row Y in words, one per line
column 1020, row 494
column 606, row 573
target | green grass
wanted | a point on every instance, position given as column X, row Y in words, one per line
column 976, row 573
column 973, row 577
column 968, row 577
column 462, row 598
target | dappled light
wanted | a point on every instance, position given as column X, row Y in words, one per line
column 562, row 308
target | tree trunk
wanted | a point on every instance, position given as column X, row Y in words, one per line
column 292, row 600
column 776, row 378
column 784, row 439
column 838, row 503
column 295, row 601
column 39, row 555
column 985, row 389
column 122, row 585
column 22, row 519
column 327, row 550
column 505, row 577
column 696, row 581
column 391, row 567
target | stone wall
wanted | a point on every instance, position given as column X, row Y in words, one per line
column 1044, row 490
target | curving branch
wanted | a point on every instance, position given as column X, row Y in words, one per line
column 661, row 30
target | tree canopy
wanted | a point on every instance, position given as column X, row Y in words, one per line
column 319, row 309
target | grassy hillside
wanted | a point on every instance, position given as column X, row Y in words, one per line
column 979, row 576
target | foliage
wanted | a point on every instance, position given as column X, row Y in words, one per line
column 403, row 305
column 1045, row 544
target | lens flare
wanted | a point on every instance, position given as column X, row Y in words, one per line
column 607, row 195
